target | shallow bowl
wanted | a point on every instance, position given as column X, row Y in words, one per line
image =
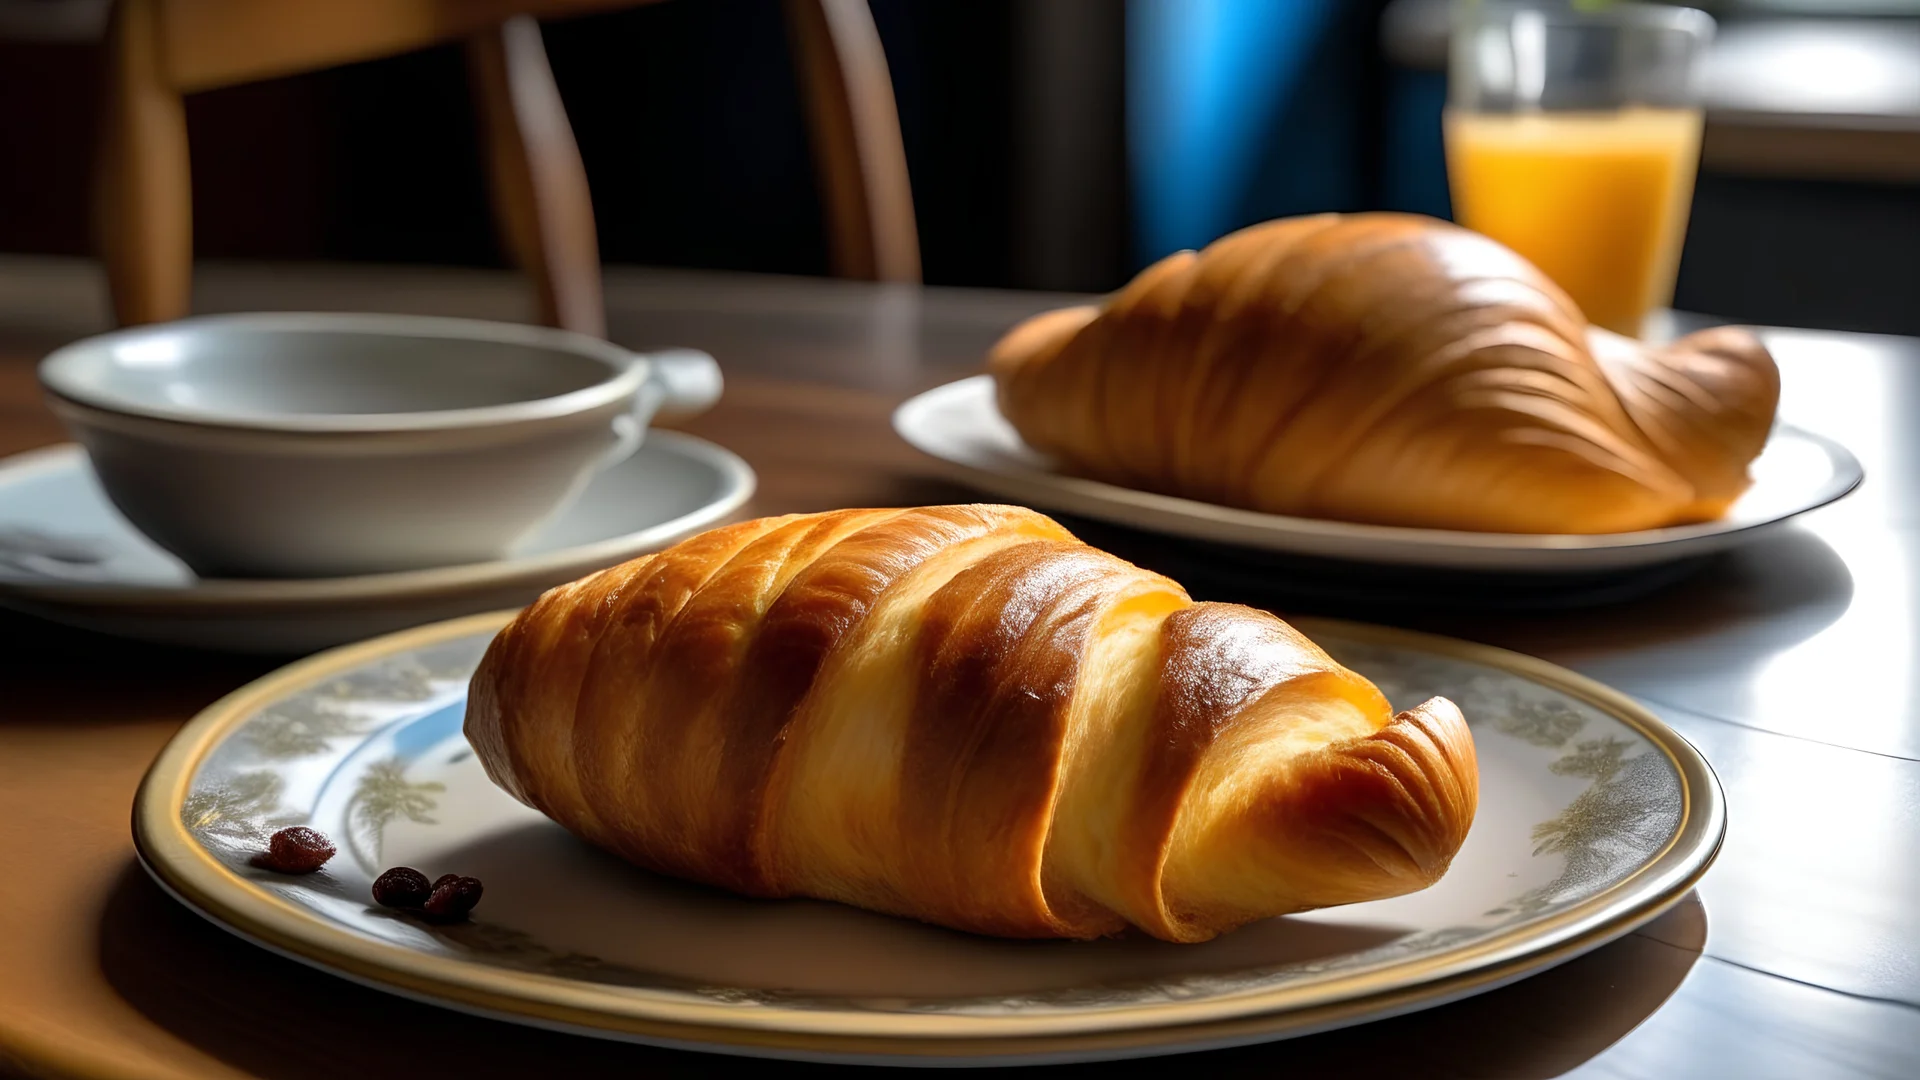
column 314, row 445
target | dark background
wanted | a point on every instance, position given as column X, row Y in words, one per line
column 687, row 115
column 689, row 121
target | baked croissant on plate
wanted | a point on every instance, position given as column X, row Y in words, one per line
column 963, row 715
column 1392, row 369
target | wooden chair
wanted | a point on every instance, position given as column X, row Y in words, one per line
column 159, row 50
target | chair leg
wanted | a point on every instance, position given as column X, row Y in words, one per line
column 143, row 201
column 856, row 139
column 539, row 184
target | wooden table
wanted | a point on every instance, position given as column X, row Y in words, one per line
column 1790, row 663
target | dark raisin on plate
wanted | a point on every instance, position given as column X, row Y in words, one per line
column 295, row 850
column 401, row 887
column 453, row 896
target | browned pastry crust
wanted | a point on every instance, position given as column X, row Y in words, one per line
column 964, row 715
column 1387, row 368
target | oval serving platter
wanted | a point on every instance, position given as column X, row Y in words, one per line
column 1594, row 818
column 959, row 426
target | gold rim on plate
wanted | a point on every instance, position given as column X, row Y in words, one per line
column 181, row 865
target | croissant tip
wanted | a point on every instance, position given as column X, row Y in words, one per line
column 1401, row 801
column 483, row 724
column 1037, row 335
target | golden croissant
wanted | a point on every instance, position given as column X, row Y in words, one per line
column 1392, row 369
column 963, row 715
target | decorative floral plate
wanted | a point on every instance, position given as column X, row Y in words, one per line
column 960, row 427
column 1594, row 817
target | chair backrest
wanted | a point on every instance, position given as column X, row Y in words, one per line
column 162, row 49
column 209, row 43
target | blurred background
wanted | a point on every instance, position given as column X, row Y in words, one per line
column 1056, row 144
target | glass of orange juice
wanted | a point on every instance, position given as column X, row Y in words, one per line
column 1573, row 136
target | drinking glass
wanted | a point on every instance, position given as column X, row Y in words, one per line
column 1573, row 136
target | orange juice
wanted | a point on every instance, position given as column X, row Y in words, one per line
column 1598, row 201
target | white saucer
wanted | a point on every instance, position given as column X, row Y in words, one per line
column 960, row 426
column 67, row 555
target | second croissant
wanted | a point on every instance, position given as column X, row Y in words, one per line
column 1391, row 369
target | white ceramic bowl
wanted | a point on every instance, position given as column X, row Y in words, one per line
column 310, row 445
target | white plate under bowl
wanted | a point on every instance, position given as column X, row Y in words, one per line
column 960, row 427
column 67, row 555
column 1594, row 817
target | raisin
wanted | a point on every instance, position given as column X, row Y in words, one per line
column 401, row 887
column 445, row 879
column 295, row 850
column 452, row 898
